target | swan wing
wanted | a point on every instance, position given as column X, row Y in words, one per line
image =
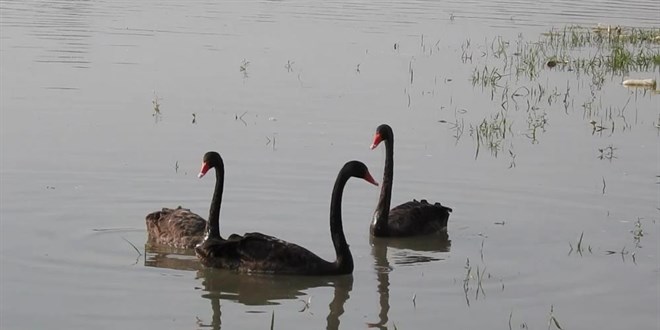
column 418, row 217
column 264, row 253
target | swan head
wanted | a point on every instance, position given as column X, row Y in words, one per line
column 211, row 159
column 359, row 170
column 383, row 132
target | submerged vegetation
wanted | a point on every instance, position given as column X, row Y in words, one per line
column 529, row 80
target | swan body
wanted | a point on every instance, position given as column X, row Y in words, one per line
column 412, row 218
column 177, row 227
column 259, row 253
column 416, row 218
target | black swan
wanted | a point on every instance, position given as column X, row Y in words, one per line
column 259, row 253
column 180, row 227
column 408, row 219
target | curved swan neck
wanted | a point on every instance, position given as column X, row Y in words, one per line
column 380, row 225
column 214, row 212
column 344, row 263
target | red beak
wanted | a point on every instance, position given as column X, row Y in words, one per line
column 370, row 179
column 205, row 168
column 377, row 140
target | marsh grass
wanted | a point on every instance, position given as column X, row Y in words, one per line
column 466, row 53
column 518, row 75
column 617, row 49
column 136, row 250
column 244, row 65
column 271, row 141
column 486, row 77
column 623, row 254
column 607, row 153
column 133, row 245
column 155, row 102
column 243, row 68
column 237, row 117
column 552, row 321
column 579, row 247
column 638, row 233
column 458, row 127
column 491, row 132
column 477, row 276
column 306, row 304
column 466, row 281
column 289, row 65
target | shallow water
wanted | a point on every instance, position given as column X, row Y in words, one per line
column 84, row 158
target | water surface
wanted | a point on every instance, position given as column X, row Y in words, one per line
column 287, row 91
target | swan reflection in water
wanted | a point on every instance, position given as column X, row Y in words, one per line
column 249, row 290
column 163, row 256
column 404, row 252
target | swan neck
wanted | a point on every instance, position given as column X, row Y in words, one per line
column 214, row 212
column 379, row 226
column 344, row 263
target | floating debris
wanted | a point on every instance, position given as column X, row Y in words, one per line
column 647, row 83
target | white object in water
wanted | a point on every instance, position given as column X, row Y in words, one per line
column 639, row 83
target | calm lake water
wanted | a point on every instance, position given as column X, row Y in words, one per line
column 555, row 221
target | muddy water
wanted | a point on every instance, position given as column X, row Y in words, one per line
column 287, row 92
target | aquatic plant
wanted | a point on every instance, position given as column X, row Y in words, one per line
column 552, row 319
column 155, row 101
column 579, row 248
column 511, row 71
column 243, row 68
column 491, row 132
column 638, row 232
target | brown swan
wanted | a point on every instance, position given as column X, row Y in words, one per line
column 408, row 219
column 180, row 227
column 259, row 253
